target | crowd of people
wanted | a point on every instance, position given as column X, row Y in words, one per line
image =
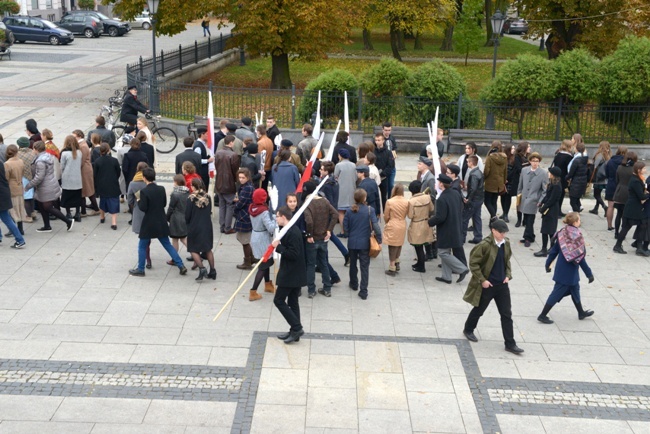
column 358, row 192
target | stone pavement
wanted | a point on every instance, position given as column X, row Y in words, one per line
column 86, row 348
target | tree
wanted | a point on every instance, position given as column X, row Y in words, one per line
column 281, row 29
column 447, row 41
column 332, row 85
column 87, row 4
column 468, row 34
column 9, row 6
column 519, row 87
column 381, row 83
column 605, row 26
column 364, row 15
column 413, row 16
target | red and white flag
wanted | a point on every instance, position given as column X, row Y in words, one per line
column 306, row 174
column 212, row 147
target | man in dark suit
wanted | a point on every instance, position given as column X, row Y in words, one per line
column 272, row 130
column 131, row 107
column 291, row 276
column 370, row 185
column 100, row 128
column 448, row 217
column 201, row 148
column 152, row 202
column 187, row 155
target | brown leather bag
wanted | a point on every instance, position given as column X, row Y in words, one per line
column 375, row 247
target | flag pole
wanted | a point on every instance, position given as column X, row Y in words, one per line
column 232, row 297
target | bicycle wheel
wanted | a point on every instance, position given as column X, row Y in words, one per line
column 166, row 140
column 118, row 131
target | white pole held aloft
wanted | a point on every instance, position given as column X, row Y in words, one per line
column 330, row 151
column 316, row 132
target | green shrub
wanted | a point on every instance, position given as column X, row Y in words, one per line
column 435, row 84
column 381, row 84
column 87, row 4
column 9, row 6
column 332, row 84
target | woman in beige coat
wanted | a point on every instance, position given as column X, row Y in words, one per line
column 419, row 232
column 14, row 172
column 395, row 229
column 87, row 177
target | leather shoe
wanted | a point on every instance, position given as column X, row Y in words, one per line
column 352, row 287
column 541, row 254
column 230, row 232
column 347, row 260
column 470, row 336
column 619, row 249
column 527, row 243
column 283, row 336
column 462, row 276
column 474, row 241
column 294, row 336
column 136, row 272
column 544, row 319
column 585, row 314
column 440, row 279
column 182, row 271
column 418, row 269
column 514, row 350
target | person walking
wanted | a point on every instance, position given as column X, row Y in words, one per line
column 265, row 149
column 187, row 155
column 71, row 182
column 578, row 177
column 495, row 174
column 474, row 200
column 226, row 163
column 205, row 25
column 519, row 161
column 642, row 232
column 372, row 191
column 532, row 186
column 610, row 172
column 131, row 161
column 107, row 184
column 491, row 274
column 633, row 214
column 176, row 213
column 447, row 219
column 385, row 163
column 624, row 174
column 285, row 176
column 561, row 160
column 152, row 201
column 27, row 156
column 358, row 223
column 200, row 237
column 14, row 168
column 263, row 225
column 243, row 200
column 292, row 275
column 46, row 188
column 87, row 179
column 397, row 208
column 201, row 148
column 330, row 191
column 132, row 194
column 419, row 233
column 570, row 251
column 345, row 173
column 6, row 204
column 599, row 176
column 550, row 209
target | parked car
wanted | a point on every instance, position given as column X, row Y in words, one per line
column 80, row 24
column 112, row 27
column 142, row 21
column 515, row 25
column 37, row 30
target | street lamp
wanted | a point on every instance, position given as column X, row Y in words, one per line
column 153, row 10
column 497, row 21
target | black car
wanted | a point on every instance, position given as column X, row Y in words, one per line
column 111, row 27
column 80, row 24
column 37, row 30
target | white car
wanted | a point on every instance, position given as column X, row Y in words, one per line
column 142, row 21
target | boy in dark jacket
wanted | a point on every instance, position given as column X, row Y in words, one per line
column 372, row 191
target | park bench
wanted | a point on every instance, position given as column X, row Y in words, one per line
column 202, row 121
column 411, row 139
column 457, row 139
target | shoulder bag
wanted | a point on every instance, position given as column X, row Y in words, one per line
column 375, row 247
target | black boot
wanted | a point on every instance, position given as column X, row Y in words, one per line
column 582, row 314
column 434, row 250
column 519, row 217
column 618, row 248
column 203, row 272
column 20, row 228
column 428, row 248
column 294, row 336
column 212, row 274
column 542, row 253
column 543, row 318
column 594, row 211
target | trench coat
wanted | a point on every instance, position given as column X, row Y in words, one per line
column 532, row 187
column 395, row 213
column 420, row 207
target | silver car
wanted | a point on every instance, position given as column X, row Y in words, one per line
column 142, row 21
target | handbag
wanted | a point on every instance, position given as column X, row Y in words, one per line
column 375, row 247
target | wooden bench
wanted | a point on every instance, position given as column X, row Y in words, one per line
column 457, row 139
column 409, row 139
column 202, row 121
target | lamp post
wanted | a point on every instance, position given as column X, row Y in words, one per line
column 497, row 21
column 153, row 90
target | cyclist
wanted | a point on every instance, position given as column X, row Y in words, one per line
column 131, row 106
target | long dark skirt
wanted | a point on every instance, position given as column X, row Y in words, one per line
column 71, row 198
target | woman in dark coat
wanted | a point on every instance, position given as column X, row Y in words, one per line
column 570, row 251
column 550, row 209
column 610, row 188
column 243, row 225
column 106, row 170
column 633, row 213
column 642, row 233
column 623, row 176
column 519, row 161
column 131, row 160
column 357, row 223
column 562, row 160
column 176, row 213
column 578, row 177
column 200, row 236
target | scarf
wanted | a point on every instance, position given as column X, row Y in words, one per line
column 259, row 203
column 138, row 177
column 572, row 244
column 180, row 189
column 200, row 199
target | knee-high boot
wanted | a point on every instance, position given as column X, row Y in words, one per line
column 582, row 314
column 543, row 318
column 248, row 258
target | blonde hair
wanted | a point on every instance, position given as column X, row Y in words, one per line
column 571, row 218
column 566, row 146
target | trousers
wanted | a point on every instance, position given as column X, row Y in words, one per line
column 501, row 295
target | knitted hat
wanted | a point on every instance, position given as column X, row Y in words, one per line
column 556, row 172
column 23, row 142
column 344, row 153
column 286, row 143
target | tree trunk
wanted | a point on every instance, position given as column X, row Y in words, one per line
column 448, row 42
column 280, row 77
column 488, row 23
column 367, row 42
column 418, row 42
column 466, row 57
column 394, row 43
column 400, row 40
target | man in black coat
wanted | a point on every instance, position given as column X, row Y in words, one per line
column 272, row 130
column 100, row 128
column 188, row 155
column 152, row 203
column 131, row 107
column 370, row 185
column 291, row 276
column 201, row 148
column 341, row 143
column 385, row 163
column 448, row 220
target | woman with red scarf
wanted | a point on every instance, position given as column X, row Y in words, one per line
column 264, row 226
column 570, row 251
